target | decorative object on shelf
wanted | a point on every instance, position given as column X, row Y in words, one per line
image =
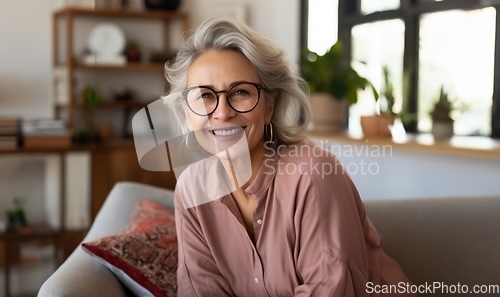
column 123, row 94
column 442, row 122
column 10, row 133
column 133, row 52
column 106, row 43
column 16, row 216
column 123, row 4
column 162, row 4
column 104, row 131
column 102, row 4
column 111, row 4
column 91, row 99
column 161, row 56
column 379, row 125
column 332, row 74
column 92, row 96
column 75, row 3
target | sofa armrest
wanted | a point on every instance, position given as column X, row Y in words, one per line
column 80, row 274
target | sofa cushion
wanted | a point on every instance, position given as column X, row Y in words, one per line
column 144, row 256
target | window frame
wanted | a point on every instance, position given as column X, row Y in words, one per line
column 410, row 12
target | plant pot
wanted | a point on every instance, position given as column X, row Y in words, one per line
column 328, row 113
column 376, row 126
column 162, row 4
column 442, row 130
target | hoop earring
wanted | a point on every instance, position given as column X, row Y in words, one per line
column 270, row 128
column 187, row 142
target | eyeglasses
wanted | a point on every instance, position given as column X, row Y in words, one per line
column 241, row 97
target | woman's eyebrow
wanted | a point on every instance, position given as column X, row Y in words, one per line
column 230, row 85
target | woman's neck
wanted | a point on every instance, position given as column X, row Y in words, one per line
column 256, row 159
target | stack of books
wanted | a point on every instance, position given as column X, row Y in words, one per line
column 46, row 134
column 9, row 133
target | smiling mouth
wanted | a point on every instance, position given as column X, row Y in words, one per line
column 227, row 132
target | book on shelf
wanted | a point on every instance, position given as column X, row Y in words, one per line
column 53, row 127
column 9, row 133
column 46, row 134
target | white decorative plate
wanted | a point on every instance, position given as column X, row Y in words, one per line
column 107, row 39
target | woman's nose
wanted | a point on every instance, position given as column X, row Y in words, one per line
column 223, row 112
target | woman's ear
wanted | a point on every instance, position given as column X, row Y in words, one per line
column 270, row 106
column 187, row 115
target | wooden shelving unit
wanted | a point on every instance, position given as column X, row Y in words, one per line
column 132, row 66
column 70, row 16
column 112, row 161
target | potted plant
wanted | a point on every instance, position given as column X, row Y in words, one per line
column 333, row 85
column 379, row 125
column 91, row 99
column 16, row 216
column 442, row 122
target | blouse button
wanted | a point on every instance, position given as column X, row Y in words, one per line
column 256, row 280
column 259, row 221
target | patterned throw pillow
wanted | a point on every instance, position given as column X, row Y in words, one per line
column 144, row 256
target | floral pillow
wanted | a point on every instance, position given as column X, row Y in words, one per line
column 144, row 256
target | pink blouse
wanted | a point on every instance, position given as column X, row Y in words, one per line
column 312, row 236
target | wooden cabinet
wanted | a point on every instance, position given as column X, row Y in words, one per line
column 71, row 27
column 62, row 240
column 117, row 162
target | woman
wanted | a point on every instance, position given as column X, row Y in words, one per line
column 286, row 228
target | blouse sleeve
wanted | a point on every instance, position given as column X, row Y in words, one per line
column 330, row 253
column 197, row 273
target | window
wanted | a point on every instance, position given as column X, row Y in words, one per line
column 375, row 45
column 457, row 52
column 322, row 26
column 449, row 43
column 370, row 6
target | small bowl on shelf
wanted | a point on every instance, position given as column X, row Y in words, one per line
column 162, row 4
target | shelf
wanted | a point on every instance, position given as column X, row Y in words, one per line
column 116, row 143
column 22, row 150
column 468, row 146
column 123, row 13
column 132, row 66
column 115, row 104
column 34, row 232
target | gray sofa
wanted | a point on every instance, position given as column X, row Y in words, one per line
column 445, row 240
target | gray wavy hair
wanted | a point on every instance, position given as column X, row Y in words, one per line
column 279, row 76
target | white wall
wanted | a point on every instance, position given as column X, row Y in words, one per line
column 278, row 20
column 25, row 58
column 396, row 173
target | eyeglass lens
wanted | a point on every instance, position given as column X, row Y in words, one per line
column 241, row 97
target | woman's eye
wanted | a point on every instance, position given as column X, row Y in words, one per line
column 240, row 92
column 207, row 95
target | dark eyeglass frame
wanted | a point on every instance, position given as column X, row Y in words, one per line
column 258, row 86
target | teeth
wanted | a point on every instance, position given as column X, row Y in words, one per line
column 227, row 132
